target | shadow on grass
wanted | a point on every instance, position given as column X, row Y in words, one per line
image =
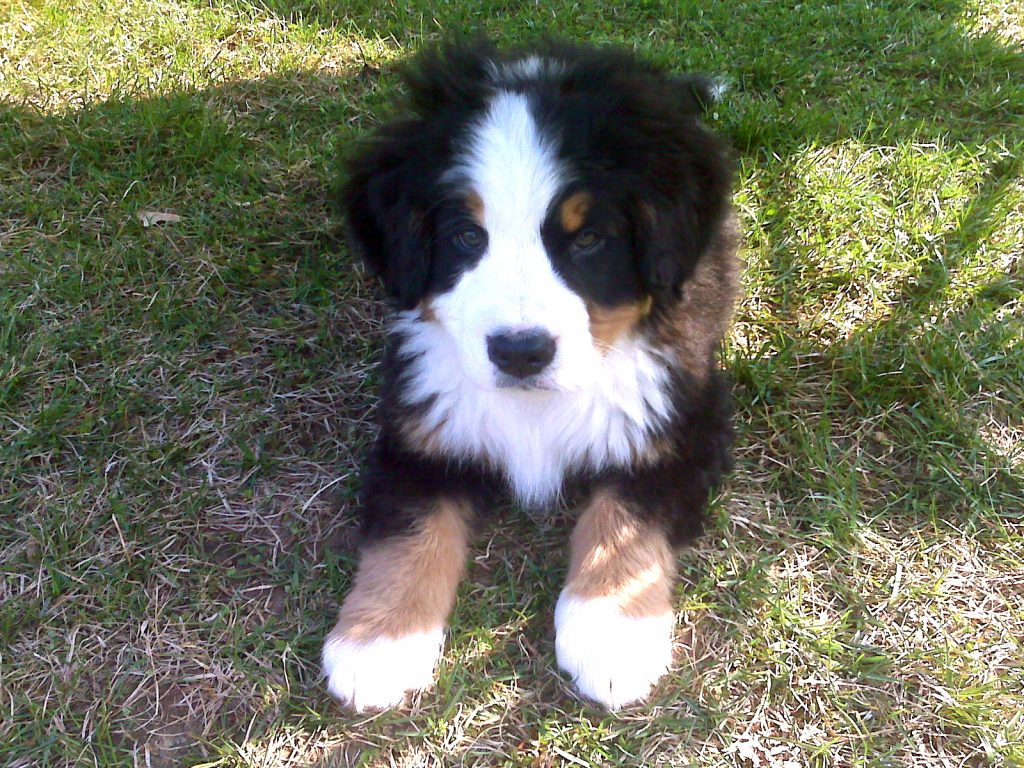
column 917, row 368
column 202, row 384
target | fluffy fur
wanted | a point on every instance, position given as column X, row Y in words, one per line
column 552, row 228
column 613, row 659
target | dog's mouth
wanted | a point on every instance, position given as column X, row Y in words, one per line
column 528, row 384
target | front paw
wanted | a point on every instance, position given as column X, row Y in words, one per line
column 613, row 659
column 377, row 673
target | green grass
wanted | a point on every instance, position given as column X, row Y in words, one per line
column 183, row 407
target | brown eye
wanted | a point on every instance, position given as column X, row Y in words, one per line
column 471, row 240
column 587, row 241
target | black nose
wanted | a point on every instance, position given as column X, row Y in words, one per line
column 521, row 354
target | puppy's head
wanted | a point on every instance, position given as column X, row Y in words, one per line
column 538, row 208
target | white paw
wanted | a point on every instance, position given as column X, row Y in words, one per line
column 614, row 659
column 377, row 674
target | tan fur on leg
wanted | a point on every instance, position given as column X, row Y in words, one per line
column 407, row 583
column 618, row 556
column 613, row 620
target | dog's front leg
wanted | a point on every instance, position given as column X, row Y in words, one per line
column 614, row 618
column 390, row 629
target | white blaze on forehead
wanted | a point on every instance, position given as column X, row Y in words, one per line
column 513, row 168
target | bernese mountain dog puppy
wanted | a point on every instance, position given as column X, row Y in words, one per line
column 554, row 231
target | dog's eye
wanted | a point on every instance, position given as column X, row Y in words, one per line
column 587, row 241
column 472, row 239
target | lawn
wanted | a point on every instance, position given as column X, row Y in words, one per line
column 183, row 406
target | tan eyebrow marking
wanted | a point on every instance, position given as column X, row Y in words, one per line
column 475, row 204
column 573, row 212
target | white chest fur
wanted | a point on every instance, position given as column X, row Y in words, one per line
column 535, row 437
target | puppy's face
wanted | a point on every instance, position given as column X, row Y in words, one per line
column 535, row 218
column 525, row 259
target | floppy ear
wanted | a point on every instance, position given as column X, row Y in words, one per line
column 674, row 233
column 667, row 249
column 384, row 224
column 392, row 184
column 687, row 192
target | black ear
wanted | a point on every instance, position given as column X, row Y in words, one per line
column 385, row 223
column 673, row 231
column 667, row 248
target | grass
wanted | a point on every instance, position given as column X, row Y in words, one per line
column 183, row 407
